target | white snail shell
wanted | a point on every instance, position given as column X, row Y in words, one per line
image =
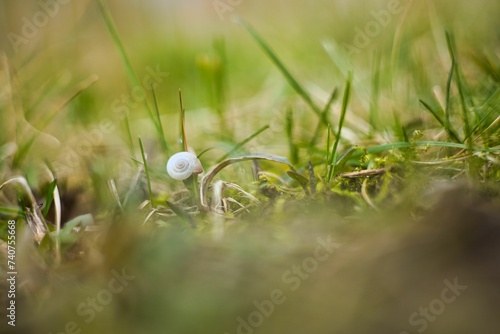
column 182, row 165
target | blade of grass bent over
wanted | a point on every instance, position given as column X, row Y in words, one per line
column 207, row 178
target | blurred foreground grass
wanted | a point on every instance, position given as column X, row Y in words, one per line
column 379, row 124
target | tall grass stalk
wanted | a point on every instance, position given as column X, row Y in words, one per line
column 345, row 102
column 324, row 117
column 461, row 91
column 292, row 147
column 286, row 73
column 374, row 101
column 128, row 133
column 110, row 24
column 146, row 170
column 182, row 125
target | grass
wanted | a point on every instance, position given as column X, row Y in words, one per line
column 106, row 14
column 286, row 163
column 333, row 154
column 146, row 170
column 279, row 64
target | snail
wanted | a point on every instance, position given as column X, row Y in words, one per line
column 182, row 165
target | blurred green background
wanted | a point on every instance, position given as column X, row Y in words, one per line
column 179, row 36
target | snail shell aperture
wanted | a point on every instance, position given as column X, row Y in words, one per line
column 182, row 165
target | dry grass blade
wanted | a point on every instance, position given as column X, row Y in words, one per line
column 55, row 198
column 366, row 197
column 364, row 173
column 218, row 199
column 150, row 214
column 208, row 177
column 35, row 223
column 114, row 192
column 243, row 192
column 33, row 215
column 133, row 185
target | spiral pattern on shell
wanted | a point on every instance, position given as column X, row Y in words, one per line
column 182, row 165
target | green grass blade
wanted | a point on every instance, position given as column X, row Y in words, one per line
column 219, row 81
column 312, row 177
column 324, row 117
column 302, row 180
column 491, row 103
column 49, row 196
column 433, row 112
column 157, row 114
column 461, row 90
column 294, row 152
column 186, row 217
column 405, row 134
column 444, row 123
column 146, row 170
column 342, row 160
column 345, row 102
column 448, row 94
column 243, row 142
column 182, row 125
column 398, row 145
column 328, row 143
column 11, row 212
column 108, row 19
column 279, row 64
column 398, row 128
column 128, row 132
column 374, row 101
